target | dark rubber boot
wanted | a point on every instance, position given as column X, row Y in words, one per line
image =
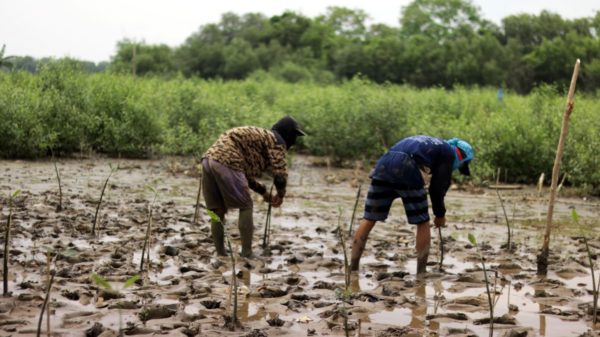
column 246, row 227
column 218, row 233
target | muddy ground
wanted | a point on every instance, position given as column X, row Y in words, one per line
column 292, row 290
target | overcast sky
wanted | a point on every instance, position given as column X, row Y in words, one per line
column 89, row 30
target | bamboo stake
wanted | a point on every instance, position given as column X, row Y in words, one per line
column 197, row 210
column 266, row 239
column 542, row 258
column 441, row 267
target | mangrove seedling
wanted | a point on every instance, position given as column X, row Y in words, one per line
column 145, row 248
column 266, row 236
column 234, row 320
column 48, row 289
column 595, row 289
column 50, row 280
column 59, row 206
column 346, row 294
column 487, row 283
column 103, row 283
column 11, row 198
column 112, row 170
column 354, row 210
column 508, row 242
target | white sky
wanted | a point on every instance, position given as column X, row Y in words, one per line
column 89, row 30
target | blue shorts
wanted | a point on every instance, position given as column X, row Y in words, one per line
column 381, row 195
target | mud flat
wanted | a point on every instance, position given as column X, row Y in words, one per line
column 291, row 289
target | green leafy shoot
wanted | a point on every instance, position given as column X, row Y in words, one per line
column 574, row 215
column 15, row 193
column 472, row 239
column 131, row 281
column 213, row 216
column 101, row 282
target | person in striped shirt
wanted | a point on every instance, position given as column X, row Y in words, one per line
column 402, row 173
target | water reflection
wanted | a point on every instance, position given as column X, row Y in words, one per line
column 542, row 320
column 248, row 310
column 419, row 310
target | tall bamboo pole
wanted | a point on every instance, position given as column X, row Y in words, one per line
column 542, row 258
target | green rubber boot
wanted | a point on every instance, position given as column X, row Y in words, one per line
column 218, row 234
column 246, row 227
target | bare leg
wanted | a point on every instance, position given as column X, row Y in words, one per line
column 360, row 240
column 246, row 227
column 218, row 232
column 422, row 246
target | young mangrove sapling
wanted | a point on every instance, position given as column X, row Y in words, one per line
column 11, row 199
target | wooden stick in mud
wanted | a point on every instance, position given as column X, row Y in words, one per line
column 266, row 240
column 441, row 267
column 197, row 210
column 100, row 201
column 354, row 210
column 542, row 258
column 59, row 206
column 508, row 243
column 48, row 277
column 39, row 327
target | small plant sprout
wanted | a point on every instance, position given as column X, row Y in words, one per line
column 595, row 288
column 344, row 295
column 487, row 283
column 145, row 247
column 59, row 206
column 51, row 262
column 540, row 184
column 103, row 283
column 508, row 242
column 354, row 210
column 266, row 236
column 48, row 290
column 48, row 277
column 234, row 320
column 562, row 181
column 112, row 170
column 11, row 198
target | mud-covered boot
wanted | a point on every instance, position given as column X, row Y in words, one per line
column 218, row 233
column 246, row 227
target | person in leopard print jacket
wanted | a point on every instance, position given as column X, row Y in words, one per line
column 232, row 165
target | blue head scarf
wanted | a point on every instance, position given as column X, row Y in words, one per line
column 466, row 149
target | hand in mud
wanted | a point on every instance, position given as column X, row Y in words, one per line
column 276, row 201
column 439, row 221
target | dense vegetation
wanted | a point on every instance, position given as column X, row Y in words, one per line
column 437, row 43
column 67, row 110
column 357, row 88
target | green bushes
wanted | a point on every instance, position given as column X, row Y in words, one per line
column 66, row 110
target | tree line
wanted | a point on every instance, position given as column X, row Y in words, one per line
column 437, row 43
